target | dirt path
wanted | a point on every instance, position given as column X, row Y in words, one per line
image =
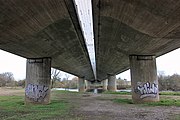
column 101, row 107
column 6, row 91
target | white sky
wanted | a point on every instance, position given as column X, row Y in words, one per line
column 13, row 63
column 169, row 63
column 17, row 65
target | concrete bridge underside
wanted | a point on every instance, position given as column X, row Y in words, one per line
column 45, row 28
column 50, row 28
column 133, row 27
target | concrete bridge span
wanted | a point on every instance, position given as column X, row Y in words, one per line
column 133, row 27
column 128, row 34
column 45, row 28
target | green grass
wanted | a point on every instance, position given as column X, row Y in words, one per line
column 176, row 117
column 13, row 108
column 169, row 93
column 163, row 102
column 120, row 93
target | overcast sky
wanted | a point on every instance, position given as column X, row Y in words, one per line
column 169, row 63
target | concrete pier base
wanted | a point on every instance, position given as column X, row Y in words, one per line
column 112, row 83
column 88, row 85
column 37, row 85
column 144, row 79
column 104, row 82
column 81, row 84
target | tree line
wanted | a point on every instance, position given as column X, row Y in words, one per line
column 7, row 80
column 57, row 80
column 169, row 82
column 166, row 82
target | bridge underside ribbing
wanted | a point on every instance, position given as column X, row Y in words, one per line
column 133, row 27
column 41, row 28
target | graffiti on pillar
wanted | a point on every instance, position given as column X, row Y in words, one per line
column 147, row 90
column 36, row 93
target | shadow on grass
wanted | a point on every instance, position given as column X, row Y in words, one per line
column 123, row 101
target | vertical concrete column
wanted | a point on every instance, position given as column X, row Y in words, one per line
column 37, row 86
column 88, row 84
column 104, row 82
column 81, row 84
column 112, row 83
column 144, row 79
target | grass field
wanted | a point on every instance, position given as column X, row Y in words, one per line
column 169, row 93
column 63, row 103
column 13, row 108
column 162, row 102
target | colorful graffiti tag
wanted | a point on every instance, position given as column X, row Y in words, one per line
column 36, row 93
column 147, row 90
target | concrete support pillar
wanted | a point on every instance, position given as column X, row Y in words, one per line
column 144, row 79
column 81, row 84
column 112, row 83
column 37, row 86
column 88, row 85
column 104, row 82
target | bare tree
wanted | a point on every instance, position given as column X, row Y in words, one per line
column 7, row 79
column 55, row 76
column 169, row 82
column 67, row 80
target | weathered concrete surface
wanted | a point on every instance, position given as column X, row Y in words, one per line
column 112, row 83
column 45, row 28
column 88, row 84
column 126, row 27
column 81, row 84
column 105, row 84
column 37, row 84
column 144, row 81
column 50, row 28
